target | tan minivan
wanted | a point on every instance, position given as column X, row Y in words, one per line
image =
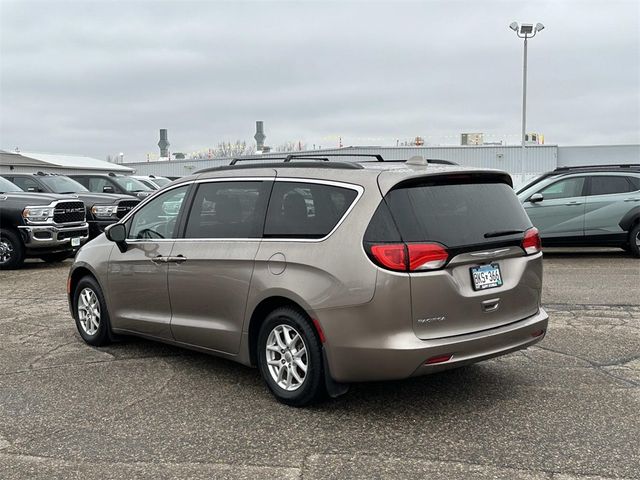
column 321, row 273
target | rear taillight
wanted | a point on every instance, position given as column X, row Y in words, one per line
column 426, row 256
column 410, row 258
column 392, row 256
column 531, row 243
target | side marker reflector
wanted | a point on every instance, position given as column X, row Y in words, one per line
column 439, row 359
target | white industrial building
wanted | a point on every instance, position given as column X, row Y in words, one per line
column 29, row 162
column 531, row 160
column 521, row 163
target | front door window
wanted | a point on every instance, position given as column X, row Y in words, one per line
column 157, row 219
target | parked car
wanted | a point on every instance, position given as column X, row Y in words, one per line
column 102, row 208
column 112, row 183
column 396, row 270
column 152, row 181
column 34, row 225
column 586, row 206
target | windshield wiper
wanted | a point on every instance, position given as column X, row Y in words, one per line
column 502, row 233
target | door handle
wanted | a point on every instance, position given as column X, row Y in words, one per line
column 158, row 259
column 632, row 199
column 178, row 259
column 573, row 203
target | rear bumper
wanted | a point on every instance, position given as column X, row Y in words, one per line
column 404, row 355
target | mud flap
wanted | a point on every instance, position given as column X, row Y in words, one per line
column 334, row 389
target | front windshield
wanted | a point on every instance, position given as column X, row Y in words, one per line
column 61, row 184
column 161, row 182
column 131, row 184
column 6, row 186
column 528, row 184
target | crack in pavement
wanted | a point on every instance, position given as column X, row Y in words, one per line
column 595, row 365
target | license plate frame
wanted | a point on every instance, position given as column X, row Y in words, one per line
column 490, row 269
column 75, row 241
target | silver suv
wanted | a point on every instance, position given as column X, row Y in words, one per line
column 596, row 205
column 321, row 274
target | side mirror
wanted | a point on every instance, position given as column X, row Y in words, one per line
column 108, row 189
column 117, row 233
column 536, row 197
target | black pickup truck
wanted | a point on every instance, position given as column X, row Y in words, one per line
column 37, row 225
column 103, row 209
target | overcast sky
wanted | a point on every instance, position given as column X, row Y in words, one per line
column 101, row 77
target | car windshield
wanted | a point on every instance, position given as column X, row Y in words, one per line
column 62, row 184
column 528, row 184
column 161, row 182
column 131, row 184
column 6, row 186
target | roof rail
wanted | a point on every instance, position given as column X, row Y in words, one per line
column 325, row 157
column 239, row 159
column 330, row 165
column 320, row 158
column 612, row 165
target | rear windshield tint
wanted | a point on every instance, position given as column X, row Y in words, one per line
column 457, row 215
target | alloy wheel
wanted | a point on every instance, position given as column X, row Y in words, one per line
column 287, row 357
column 6, row 250
column 89, row 311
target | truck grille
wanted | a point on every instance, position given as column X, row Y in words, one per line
column 69, row 212
column 125, row 206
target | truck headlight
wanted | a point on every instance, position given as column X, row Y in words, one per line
column 104, row 211
column 37, row 214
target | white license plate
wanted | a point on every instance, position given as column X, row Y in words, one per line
column 75, row 242
column 486, row 276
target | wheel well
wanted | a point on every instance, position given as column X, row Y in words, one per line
column 259, row 314
column 77, row 274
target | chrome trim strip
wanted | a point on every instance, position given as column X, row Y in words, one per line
column 358, row 188
column 489, row 253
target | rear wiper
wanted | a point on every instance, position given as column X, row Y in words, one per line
column 502, row 233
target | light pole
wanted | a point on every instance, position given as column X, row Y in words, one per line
column 526, row 31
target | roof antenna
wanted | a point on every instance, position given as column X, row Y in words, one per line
column 417, row 160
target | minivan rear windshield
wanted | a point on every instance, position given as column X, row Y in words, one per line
column 457, row 215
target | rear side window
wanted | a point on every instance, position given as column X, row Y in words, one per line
column 228, row 210
column 607, row 185
column 457, row 215
column 306, row 210
column 635, row 183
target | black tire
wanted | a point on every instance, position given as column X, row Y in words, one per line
column 634, row 241
column 312, row 388
column 11, row 250
column 55, row 257
column 102, row 334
